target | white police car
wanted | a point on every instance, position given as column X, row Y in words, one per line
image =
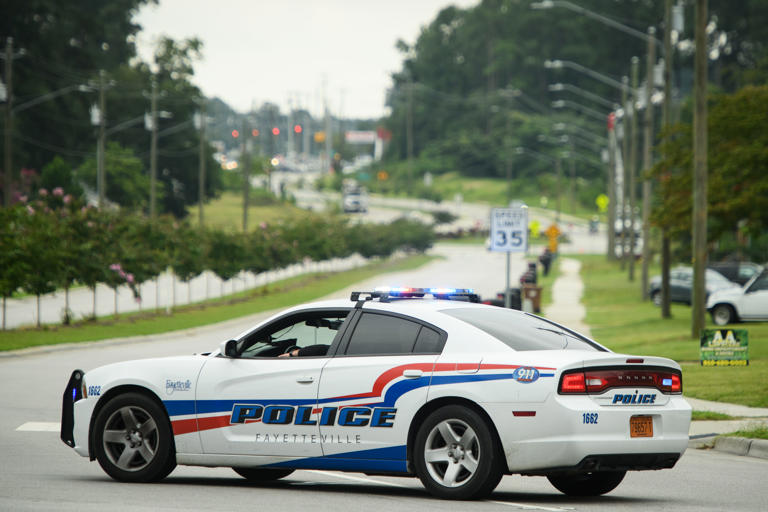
column 397, row 382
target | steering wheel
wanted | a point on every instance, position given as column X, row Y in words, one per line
column 290, row 349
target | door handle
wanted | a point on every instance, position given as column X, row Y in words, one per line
column 412, row 374
column 305, row 380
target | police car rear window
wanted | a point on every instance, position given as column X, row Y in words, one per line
column 523, row 332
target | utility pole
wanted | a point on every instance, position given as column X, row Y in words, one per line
column 201, row 162
column 628, row 111
column 611, row 256
column 8, row 56
column 699, row 170
column 244, row 159
column 559, row 181
column 153, row 154
column 101, row 175
column 633, row 169
column 409, row 132
column 648, row 158
column 291, row 149
column 572, row 185
column 667, row 115
column 328, row 135
column 509, row 161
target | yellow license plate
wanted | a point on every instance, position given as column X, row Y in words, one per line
column 641, row 426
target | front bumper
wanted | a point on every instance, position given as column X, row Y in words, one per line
column 72, row 393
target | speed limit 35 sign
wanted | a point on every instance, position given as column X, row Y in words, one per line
column 509, row 229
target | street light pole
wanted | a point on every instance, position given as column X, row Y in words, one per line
column 201, row 162
column 548, row 4
column 559, row 64
column 647, row 159
column 628, row 111
column 7, row 135
column 100, row 171
column 633, row 168
column 153, row 154
column 581, row 92
column 667, row 115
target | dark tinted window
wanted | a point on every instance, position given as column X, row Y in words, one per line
column 761, row 283
column 428, row 342
column 383, row 334
column 522, row 332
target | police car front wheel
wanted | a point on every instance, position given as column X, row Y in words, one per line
column 456, row 455
column 133, row 440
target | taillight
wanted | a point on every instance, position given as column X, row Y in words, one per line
column 598, row 380
column 573, row 383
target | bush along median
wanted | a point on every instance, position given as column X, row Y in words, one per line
column 57, row 243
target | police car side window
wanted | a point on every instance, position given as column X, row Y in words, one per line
column 383, row 334
column 429, row 342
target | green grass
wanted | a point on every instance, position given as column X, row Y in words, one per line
column 757, row 432
column 494, row 191
column 226, row 212
column 619, row 319
column 710, row 416
column 548, row 282
column 276, row 295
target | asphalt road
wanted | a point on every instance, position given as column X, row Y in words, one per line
column 39, row 472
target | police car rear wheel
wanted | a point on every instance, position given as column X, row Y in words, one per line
column 587, row 484
column 262, row 475
column 133, row 440
column 456, row 454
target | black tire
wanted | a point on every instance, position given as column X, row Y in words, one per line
column 262, row 474
column 723, row 314
column 468, row 464
column 132, row 439
column 587, row 484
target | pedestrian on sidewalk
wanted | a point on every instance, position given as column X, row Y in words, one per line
column 546, row 260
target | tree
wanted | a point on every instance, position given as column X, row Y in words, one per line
column 737, row 159
column 41, row 245
column 127, row 184
column 16, row 267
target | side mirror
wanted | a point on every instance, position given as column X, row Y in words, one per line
column 228, row 348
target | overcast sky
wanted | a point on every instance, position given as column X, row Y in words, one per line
column 285, row 50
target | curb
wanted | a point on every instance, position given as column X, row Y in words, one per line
column 742, row 446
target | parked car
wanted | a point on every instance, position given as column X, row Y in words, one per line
column 681, row 284
column 737, row 271
column 746, row 304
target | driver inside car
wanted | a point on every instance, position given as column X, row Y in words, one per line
column 311, row 350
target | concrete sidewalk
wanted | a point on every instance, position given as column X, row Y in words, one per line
column 567, row 309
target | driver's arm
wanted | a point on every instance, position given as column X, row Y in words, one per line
column 312, row 350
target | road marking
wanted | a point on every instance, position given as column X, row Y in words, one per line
column 355, row 478
column 39, row 426
column 525, row 506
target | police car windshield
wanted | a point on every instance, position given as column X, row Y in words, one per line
column 523, row 332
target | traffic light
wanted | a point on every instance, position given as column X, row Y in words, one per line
column 275, row 131
column 255, row 132
column 235, row 134
column 297, row 128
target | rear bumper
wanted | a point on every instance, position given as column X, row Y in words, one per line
column 556, row 438
column 617, row 462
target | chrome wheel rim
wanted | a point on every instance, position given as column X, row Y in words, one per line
column 722, row 316
column 452, row 453
column 130, row 438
